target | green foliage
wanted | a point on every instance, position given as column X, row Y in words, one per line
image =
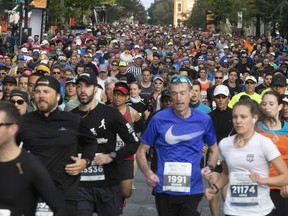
column 125, row 9
column 161, row 12
column 198, row 14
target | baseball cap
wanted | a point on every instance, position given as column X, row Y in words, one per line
column 203, row 45
column 24, row 50
column 165, row 93
column 278, row 80
column 123, row 64
column 136, row 47
column 71, row 80
column 62, row 58
column 1, row 56
column 251, row 78
column 24, row 95
column 154, row 48
column 88, row 76
column 285, row 98
column 43, row 67
column 158, row 78
column 170, row 43
column 138, row 56
column 225, row 47
column 221, row 89
column 20, row 57
column 48, row 81
column 9, row 79
column 102, row 68
column 122, row 87
column 36, row 53
column 44, row 42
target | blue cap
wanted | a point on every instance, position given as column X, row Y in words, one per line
column 20, row 57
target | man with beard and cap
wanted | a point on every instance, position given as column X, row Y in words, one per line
column 54, row 137
column 100, row 188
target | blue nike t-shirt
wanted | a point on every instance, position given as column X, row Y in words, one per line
column 179, row 140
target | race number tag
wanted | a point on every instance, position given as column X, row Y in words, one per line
column 119, row 143
column 243, row 191
column 93, row 173
column 177, row 177
column 43, row 209
column 5, row 212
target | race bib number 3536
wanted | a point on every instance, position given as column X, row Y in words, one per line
column 177, row 177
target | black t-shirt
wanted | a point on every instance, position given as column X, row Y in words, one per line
column 107, row 122
column 54, row 139
column 22, row 181
column 222, row 121
column 127, row 77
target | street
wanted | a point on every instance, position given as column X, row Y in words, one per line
column 142, row 202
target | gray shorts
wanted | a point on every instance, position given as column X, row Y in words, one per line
column 103, row 200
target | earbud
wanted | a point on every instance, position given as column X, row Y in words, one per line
column 254, row 121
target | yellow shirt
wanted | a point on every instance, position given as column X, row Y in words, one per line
column 236, row 98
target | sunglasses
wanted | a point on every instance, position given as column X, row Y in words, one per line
column 218, row 77
column 86, row 56
column 220, row 96
column 19, row 102
column 41, row 71
column 158, row 83
column 6, row 124
column 243, row 57
column 4, row 73
column 249, row 82
column 114, row 64
column 56, row 72
column 181, row 79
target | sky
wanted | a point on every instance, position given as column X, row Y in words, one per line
column 147, row 3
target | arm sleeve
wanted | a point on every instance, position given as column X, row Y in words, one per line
column 87, row 141
column 44, row 185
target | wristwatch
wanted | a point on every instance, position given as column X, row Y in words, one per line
column 113, row 155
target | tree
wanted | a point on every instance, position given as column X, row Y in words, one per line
column 198, row 14
column 126, row 9
column 161, row 12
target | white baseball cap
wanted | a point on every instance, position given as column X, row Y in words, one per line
column 221, row 89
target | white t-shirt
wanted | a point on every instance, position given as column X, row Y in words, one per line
column 254, row 156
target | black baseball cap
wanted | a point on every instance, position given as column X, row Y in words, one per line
column 48, row 81
column 9, row 79
column 88, row 76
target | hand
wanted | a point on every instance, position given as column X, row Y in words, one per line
column 75, row 168
column 284, row 191
column 204, row 149
column 209, row 193
column 206, row 173
column 152, row 180
column 101, row 159
column 255, row 177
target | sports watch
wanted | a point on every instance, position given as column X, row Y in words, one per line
column 113, row 155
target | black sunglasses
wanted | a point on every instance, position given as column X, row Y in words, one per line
column 220, row 96
column 218, row 77
column 20, row 101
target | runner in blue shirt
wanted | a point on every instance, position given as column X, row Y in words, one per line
column 178, row 135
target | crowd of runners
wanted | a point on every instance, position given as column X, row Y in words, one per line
column 90, row 106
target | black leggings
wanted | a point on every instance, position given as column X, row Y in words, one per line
column 280, row 203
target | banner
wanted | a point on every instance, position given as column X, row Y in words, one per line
column 210, row 20
column 41, row 4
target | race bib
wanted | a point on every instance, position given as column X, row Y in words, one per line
column 177, row 176
column 119, row 143
column 5, row 212
column 43, row 209
column 93, row 173
column 243, row 191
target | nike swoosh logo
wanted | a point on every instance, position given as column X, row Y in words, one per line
column 172, row 139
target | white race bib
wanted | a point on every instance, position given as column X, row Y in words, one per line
column 243, row 191
column 177, row 176
column 5, row 212
column 43, row 209
column 93, row 173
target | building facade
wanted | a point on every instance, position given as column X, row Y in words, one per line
column 182, row 9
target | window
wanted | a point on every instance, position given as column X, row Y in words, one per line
column 179, row 7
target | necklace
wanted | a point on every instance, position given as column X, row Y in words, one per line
column 240, row 142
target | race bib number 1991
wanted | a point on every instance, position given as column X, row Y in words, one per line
column 177, row 177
